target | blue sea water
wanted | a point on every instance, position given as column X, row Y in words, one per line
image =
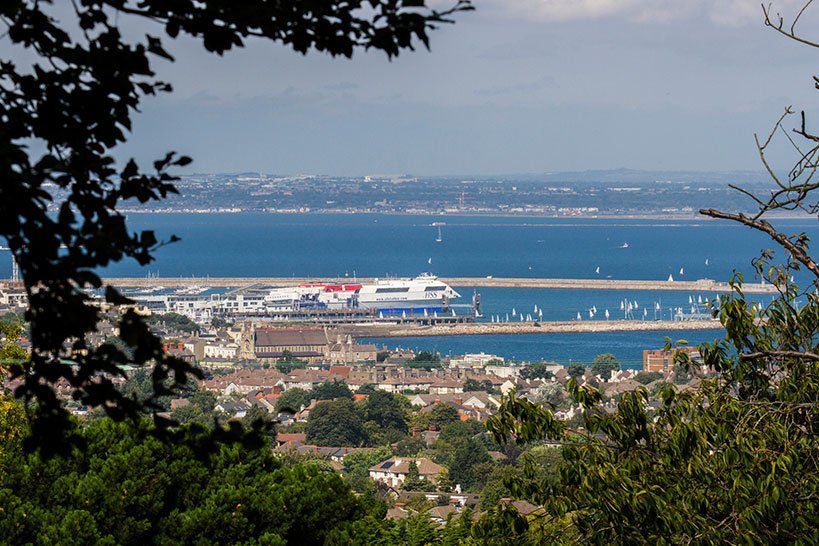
column 335, row 245
column 562, row 348
column 330, row 246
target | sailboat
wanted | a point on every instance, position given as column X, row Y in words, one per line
column 440, row 238
column 670, row 277
column 578, row 316
column 706, row 261
column 514, row 313
column 429, row 261
column 607, row 314
column 624, row 245
column 682, row 272
column 597, row 270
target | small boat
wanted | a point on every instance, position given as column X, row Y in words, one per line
column 578, row 316
column 514, row 313
column 597, row 270
column 670, row 277
column 682, row 272
column 440, row 237
column 624, row 245
column 607, row 314
column 706, row 261
column 429, row 261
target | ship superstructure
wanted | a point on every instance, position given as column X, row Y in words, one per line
column 422, row 294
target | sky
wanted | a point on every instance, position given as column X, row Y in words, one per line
column 517, row 86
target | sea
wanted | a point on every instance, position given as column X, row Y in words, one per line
column 347, row 246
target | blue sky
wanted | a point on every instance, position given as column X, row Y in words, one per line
column 518, row 86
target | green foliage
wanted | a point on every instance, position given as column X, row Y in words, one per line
column 410, row 446
column 604, row 364
column 414, row 481
column 576, row 370
column 88, row 78
column 357, row 467
column 174, row 322
column 219, row 323
column 330, row 390
column 336, row 423
column 730, row 462
column 367, row 388
column 292, row 400
column 426, row 360
column 644, row 378
column 381, row 356
column 133, row 486
column 471, row 385
column 464, row 461
column 387, row 410
column 443, row 414
column 537, row 370
column 10, row 350
column 200, row 409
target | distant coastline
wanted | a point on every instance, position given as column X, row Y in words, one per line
column 647, row 216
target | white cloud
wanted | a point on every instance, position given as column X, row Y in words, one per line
column 718, row 12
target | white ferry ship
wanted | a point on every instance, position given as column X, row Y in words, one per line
column 422, row 294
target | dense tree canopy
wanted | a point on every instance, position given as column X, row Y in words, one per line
column 62, row 116
column 129, row 487
column 336, row 423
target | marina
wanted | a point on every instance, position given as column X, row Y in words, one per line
column 706, row 285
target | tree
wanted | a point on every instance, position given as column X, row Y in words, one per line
column 292, row 400
column 130, row 487
column 174, row 322
column 604, row 364
column 335, row 423
column 443, row 414
column 330, row 390
column 576, row 370
column 467, row 456
column 75, row 101
column 471, row 385
column 414, row 481
column 357, row 467
column 733, row 460
column 644, row 378
column 537, row 370
column 388, row 410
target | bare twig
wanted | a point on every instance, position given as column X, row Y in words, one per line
column 798, row 253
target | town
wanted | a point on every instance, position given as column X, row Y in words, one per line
column 407, row 427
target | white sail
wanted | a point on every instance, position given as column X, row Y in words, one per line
column 514, row 313
column 578, row 316
column 597, row 270
column 706, row 261
column 591, row 314
column 670, row 277
column 607, row 314
column 682, row 271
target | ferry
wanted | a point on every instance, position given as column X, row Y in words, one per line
column 422, row 294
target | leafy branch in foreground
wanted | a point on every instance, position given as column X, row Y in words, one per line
column 75, row 102
column 734, row 460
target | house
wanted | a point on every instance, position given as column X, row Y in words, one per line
column 446, row 386
column 394, row 471
column 661, row 360
column 270, row 344
column 478, row 360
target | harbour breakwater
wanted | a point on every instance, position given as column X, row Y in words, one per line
column 515, row 328
column 701, row 285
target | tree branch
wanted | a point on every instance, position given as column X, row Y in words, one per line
column 787, row 354
column 798, row 254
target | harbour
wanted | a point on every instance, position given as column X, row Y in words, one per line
column 702, row 285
